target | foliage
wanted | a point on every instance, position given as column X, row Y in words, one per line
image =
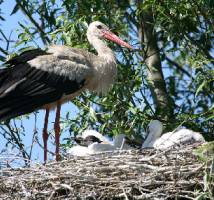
column 206, row 154
column 185, row 36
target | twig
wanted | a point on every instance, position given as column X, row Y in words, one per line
column 119, row 174
column 45, row 39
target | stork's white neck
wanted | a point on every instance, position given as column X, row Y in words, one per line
column 155, row 129
column 105, row 67
column 102, row 49
column 150, row 140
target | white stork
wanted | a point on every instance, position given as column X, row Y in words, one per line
column 92, row 142
column 171, row 139
column 47, row 78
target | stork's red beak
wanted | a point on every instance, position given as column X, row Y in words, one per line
column 111, row 36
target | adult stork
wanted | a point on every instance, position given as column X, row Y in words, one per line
column 171, row 139
column 47, row 78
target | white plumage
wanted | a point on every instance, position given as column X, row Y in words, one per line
column 105, row 146
column 175, row 139
column 78, row 151
column 154, row 130
column 170, row 139
column 96, row 134
column 120, row 142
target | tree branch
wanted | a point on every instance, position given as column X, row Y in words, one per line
column 163, row 102
column 43, row 36
column 177, row 66
column 16, row 139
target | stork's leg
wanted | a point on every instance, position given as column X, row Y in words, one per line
column 57, row 130
column 45, row 134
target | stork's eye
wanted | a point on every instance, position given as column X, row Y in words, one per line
column 99, row 27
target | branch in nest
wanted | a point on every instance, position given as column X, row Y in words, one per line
column 145, row 174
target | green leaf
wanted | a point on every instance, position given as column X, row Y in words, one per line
column 15, row 9
column 3, row 51
column 201, row 196
column 2, row 18
column 93, row 114
column 200, row 88
column 2, row 58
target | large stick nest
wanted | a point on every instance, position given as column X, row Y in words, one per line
column 143, row 174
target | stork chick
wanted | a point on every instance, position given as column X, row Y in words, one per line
column 171, row 139
column 92, row 142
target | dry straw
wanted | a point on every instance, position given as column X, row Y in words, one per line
column 145, row 174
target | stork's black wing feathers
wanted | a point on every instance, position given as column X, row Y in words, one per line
column 9, row 75
column 26, row 56
column 24, row 88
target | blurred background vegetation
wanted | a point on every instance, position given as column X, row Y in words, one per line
column 169, row 76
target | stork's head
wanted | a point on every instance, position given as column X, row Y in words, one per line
column 101, row 31
column 90, row 139
column 95, row 134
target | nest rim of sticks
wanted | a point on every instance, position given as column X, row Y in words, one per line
column 133, row 174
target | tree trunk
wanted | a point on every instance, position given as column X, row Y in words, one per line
column 163, row 103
